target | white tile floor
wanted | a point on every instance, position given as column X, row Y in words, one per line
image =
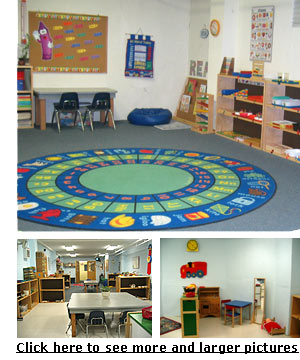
column 211, row 327
column 50, row 320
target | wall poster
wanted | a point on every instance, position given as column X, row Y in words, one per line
column 139, row 56
column 262, row 25
column 68, row 42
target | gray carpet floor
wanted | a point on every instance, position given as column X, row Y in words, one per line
column 281, row 213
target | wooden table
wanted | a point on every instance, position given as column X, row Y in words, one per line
column 239, row 305
column 42, row 96
column 87, row 302
column 90, row 283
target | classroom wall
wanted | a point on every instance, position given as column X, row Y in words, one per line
column 232, row 264
column 167, row 21
column 127, row 257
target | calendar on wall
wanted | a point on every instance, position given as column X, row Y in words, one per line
column 139, row 56
column 262, row 25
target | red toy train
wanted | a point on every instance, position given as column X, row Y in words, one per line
column 193, row 269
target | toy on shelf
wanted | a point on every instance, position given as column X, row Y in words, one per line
column 245, row 74
column 283, row 124
column 285, row 101
column 190, row 290
column 249, row 115
column 272, row 327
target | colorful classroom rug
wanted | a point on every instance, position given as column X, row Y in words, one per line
column 138, row 189
column 168, row 325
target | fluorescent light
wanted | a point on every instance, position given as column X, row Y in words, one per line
column 111, row 247
column 69, row 248
column 72, row 255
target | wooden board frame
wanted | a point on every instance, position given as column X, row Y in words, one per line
column 62, row 42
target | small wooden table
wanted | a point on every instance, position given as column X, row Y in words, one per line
column 240, row 305
column 42, row 96
column 91, row 283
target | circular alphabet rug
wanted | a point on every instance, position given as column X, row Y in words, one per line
column 138, row 189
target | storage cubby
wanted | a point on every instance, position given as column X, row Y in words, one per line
column 52, row 289
column 138, row 286
column 112, row 279
column 27, row 296
column 67, row 278
column 278, row 139
column 25, row 97
column 209, row 301
column 230, row 122
column 189, row 316
column 295, row 317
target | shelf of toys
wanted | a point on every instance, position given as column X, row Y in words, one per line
column 204, row 113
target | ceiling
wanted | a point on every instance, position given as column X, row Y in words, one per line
column 87, row 247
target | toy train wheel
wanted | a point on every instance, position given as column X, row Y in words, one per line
column 200, row 273
column 188, row 274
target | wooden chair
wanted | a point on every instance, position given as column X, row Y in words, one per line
column 223, row 305
column 231, row 314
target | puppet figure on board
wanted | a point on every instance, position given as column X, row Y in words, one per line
column 42, row 36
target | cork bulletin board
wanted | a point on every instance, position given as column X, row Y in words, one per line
column 68, row 42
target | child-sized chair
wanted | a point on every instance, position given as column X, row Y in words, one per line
column 101, row 102
column 231, row 313
column 223, row 302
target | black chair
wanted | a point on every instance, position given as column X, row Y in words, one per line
column 68, row 103
column 122, row 321
column 96, row 318
column 101, row 102
column 77, row 317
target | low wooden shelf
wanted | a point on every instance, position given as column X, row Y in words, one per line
column 189, row 309
column 209, row 301
column 112, row 279
column 25, row 95
column 52, row 289
column 31, row 300
column 141, row 288
column 67, row 278
column 295, row 317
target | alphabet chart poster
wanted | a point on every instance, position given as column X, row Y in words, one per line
column 68, row 42
column 139, row 56
column 261, row 42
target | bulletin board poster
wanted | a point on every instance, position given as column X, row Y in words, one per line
column 139, row 56
column 262, row 25
column 68, row 42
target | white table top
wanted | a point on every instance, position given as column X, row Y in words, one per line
column 120, row 301
column 53, row 91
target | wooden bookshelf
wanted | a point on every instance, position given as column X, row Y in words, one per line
column 295, row 317
column 27, row 296
column 112, row 279
column 67, row 278
column 52, row 289
column 25, row 97
column 138, row 286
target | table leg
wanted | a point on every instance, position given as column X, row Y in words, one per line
column 232, row 317
column 241, row 315
column 225, row 315
column 42, row 114
column 85, row 286
column 73, row 322
column 97, row 288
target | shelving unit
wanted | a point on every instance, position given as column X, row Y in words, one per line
column 67, row 278
column 41, row 264
column 235, row 127
column 275, row 140
column 209, row 301
column 25, row 97
column 52, row 289
column 138, row 286
column 112, row 279
column 295, row 317
column 204, row 114
column 189, row 309
column 27, row 301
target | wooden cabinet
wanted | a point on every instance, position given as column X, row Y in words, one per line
column 295, row 317
column 209, row 301
column 25, row 97
column 67, row 278
column 27, row 296
column 279, row 138
column 231, row 121
column 41, row 263
column 111, row 279
column 189, row 309
column 52, row 289
column 138, row 286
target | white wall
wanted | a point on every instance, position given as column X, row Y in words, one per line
column 232, row 264
column 127, row 257
column 167, row 21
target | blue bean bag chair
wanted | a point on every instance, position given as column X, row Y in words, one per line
column 149, row 117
